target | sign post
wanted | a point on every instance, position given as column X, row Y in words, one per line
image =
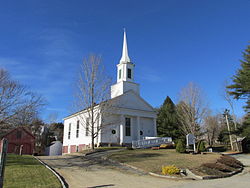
column 4, row 147
column 191, row 140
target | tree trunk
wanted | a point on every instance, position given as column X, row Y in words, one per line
column 230, row 136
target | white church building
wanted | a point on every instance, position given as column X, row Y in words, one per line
column 135, row 119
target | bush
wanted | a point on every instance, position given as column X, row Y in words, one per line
column 210, row 171
column 170, row 170
column 230, row 161
column 201, row 146
column 129, row 148
column 219, row 166
column 180, row 146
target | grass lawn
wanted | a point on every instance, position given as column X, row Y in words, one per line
column 26, row 171
column 153, row 160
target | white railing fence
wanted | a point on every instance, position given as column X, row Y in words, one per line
column 146, row 143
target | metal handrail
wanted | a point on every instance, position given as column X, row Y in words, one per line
column 151, row 142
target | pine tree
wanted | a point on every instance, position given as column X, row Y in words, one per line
column 240, row 88
column 167, row 122
column 180, row 146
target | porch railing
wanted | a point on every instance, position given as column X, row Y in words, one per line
column 146, row 143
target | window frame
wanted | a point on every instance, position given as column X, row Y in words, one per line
column 77, row 128
column 120, row 73
column 127, row 126
column 69, row 131
column 87, row 127
column 129, row 73
column 18, row 134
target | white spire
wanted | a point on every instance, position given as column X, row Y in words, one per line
column 125, row 57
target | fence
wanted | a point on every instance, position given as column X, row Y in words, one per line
column 3, row 152
column 151, row 142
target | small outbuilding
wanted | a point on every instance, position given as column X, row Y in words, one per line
column 54, row 149
column 20, row 140
column 243, row 144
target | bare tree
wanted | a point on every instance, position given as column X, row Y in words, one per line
column 18, row 106
column 212, row 128
column 191, row 109
column 230, row 100
column 93, row 92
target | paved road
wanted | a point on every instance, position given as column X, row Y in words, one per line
column 81, row 172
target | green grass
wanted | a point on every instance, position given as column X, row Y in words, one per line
column 26, row 172
column 153, row 160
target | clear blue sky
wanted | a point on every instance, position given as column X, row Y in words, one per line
column 172, row 42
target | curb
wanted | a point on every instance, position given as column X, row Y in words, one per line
column 59, row 177
column 214, row 177
column 170, row 177
column 224, row 153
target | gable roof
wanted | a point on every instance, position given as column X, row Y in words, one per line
column 23, row 128
column 146, row 106
column 120, row 97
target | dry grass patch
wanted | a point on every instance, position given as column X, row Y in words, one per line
column 153, row 160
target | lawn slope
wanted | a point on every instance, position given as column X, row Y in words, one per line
column 26, row 171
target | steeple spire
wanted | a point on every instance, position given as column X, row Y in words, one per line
column 125, row 57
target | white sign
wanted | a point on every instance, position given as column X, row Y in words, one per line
column 190, row 139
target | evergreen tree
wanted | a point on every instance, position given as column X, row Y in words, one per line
column 180, row 146
column 167, row 122
column 240, row 88
column 201, row 146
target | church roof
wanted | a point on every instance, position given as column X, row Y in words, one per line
column 149, row 107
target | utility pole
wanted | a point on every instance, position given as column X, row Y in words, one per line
column 228, row 127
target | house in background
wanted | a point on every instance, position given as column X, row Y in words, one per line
column 133, row 118
column 21, row 140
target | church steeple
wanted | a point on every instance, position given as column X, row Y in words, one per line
column 125, row 73
column 125, row 57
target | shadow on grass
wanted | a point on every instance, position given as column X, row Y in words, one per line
column 13, row 160
column 133, row 157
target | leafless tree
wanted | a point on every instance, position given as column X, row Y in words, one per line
column 191, row 109
column 93, row 92
column 230, row 100
column 212, row 127
column 18, row 106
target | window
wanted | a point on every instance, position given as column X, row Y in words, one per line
column 127, row 127
column 77, row 148
column 87, row 127
column 120, row 73
column 77, row 129
column 19, row 134
column 129, row 73
column 69, row 133
column 141, row 133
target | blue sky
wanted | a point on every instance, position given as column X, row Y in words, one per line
column 172, row 42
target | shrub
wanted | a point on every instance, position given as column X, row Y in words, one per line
column 219, row 166
column 129, row 148
column 210, row 171
column 180, row 146
column 170, row 170
column 167, row 146
column 230, row 161
column 201, row 146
